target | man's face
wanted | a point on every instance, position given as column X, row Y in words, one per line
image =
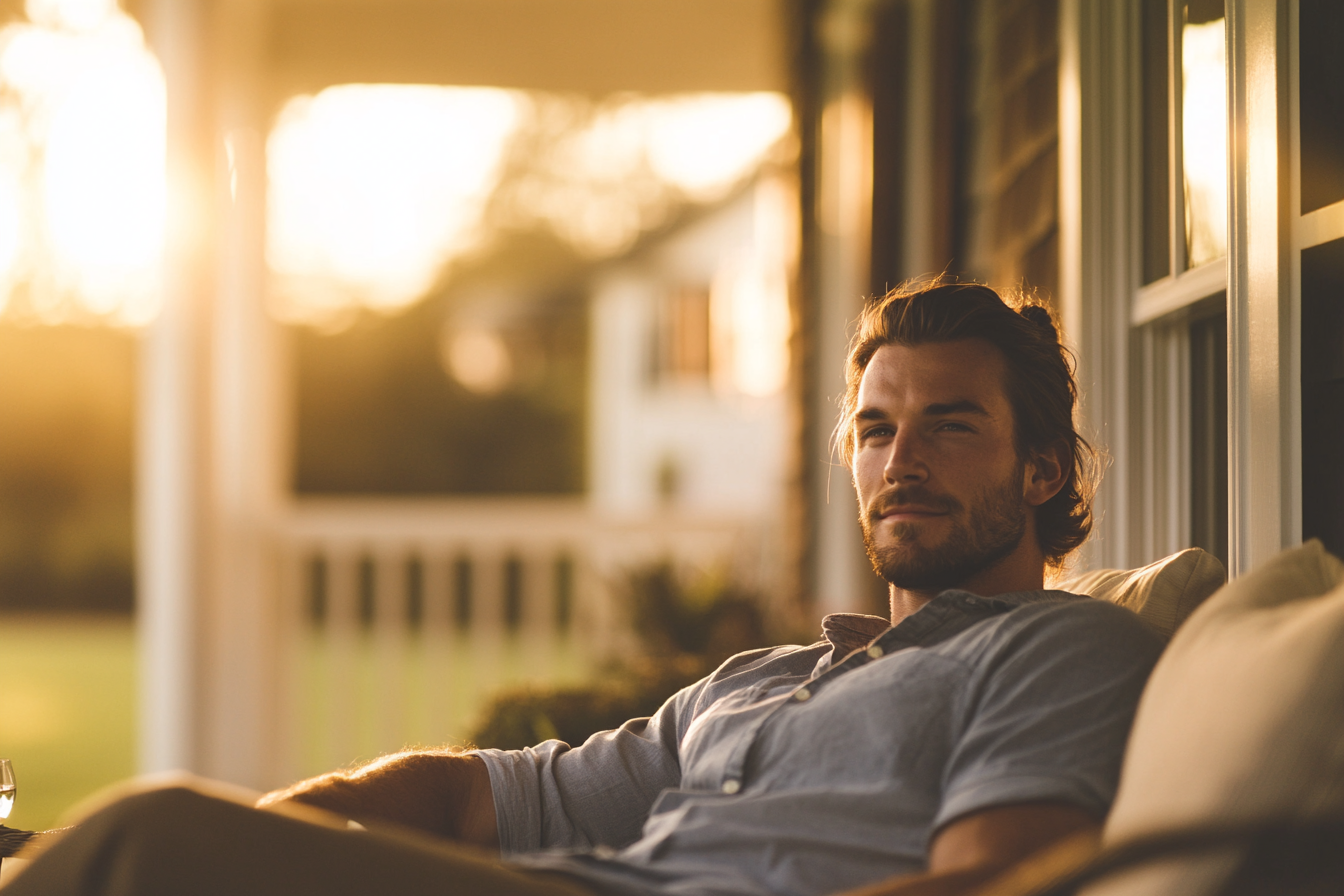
column 941, row 488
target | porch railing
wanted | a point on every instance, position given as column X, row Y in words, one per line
column 399, row 618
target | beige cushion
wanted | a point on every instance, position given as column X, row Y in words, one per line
column 1162, row 593
column 1242, row 719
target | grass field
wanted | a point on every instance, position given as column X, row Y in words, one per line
column 67, row 709
column 67, row 705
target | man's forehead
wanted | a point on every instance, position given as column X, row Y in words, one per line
column 966, row 375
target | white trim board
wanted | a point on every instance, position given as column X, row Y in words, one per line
column 1320, row 226
column 1171, row 294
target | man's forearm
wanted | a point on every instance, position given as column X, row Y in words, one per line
column 446, row 794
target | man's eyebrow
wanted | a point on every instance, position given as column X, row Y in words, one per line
column 965, row 406
column 938, row 409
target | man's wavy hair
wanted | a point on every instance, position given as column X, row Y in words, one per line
column 1040, row 386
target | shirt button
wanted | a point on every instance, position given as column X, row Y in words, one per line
column 875, row 651
column 802, row 694
column 731, row 786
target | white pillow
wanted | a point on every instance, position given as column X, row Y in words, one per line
column 1162, row 593
column 1243, row 718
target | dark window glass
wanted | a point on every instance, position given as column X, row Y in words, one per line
column 1323, row 394
column 1321, row 30
column 1156, row 160
column 1208, row 434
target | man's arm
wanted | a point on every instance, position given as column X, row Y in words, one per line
column 974, row 849
column 446, row 794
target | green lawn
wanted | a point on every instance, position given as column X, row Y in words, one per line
column 67, row 704
column 67, row 709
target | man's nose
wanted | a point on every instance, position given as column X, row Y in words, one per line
column 906, row 463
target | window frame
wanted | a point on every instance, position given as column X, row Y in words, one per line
column 1133, row 354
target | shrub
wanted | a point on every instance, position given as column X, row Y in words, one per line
column 686, row 628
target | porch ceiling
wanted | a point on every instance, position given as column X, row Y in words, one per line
column 590, row 46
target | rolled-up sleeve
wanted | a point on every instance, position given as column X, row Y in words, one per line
column 553, row 796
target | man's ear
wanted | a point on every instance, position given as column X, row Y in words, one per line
column 1045, row 473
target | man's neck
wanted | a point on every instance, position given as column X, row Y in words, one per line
column 1020, row 571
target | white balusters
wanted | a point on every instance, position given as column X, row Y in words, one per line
column 339, row 629
column 438, row 630
column 506, row 594
column 391, row 645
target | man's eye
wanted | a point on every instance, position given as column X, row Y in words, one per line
column 875, row 432
column 953, row 426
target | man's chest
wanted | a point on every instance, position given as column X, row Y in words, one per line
column 892, row 719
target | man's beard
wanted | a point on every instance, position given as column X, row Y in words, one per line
column 991, row 530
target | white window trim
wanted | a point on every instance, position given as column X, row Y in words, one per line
column 1134, row 377
column 1323, row 224
column 1171, row 295
column 1264, row 400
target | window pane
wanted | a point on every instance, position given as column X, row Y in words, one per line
column 1323, row 394
column 1321, row 24
column 1156, row 162
column 1204, row 130
column 1208, row 435
column 683, row 338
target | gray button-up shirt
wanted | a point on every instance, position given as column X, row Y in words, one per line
column 806, row 770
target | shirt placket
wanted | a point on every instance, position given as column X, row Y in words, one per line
column 948, row 617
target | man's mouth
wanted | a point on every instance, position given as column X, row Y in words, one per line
column 910, row 508
column 907, row 514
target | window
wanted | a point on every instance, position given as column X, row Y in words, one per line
column 1320, row 238
column 1180, row 309
column 1150, row 275
column 682, row 337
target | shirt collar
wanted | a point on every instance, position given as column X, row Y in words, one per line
column 949, row 612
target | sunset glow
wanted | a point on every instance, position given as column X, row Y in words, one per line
column 374, row 190
column 81, row 166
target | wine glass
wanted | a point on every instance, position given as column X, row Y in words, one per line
column 8, row 788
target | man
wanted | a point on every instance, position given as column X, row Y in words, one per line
column 917, row 755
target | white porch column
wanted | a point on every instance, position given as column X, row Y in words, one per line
column 168, row 450
column 844, row 199
column 210, row 442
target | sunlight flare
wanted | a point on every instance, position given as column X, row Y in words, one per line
column 82, row 160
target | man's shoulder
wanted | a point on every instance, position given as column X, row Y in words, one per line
column 753, row 668
column 1074, row 626
column 1064, row 610
column 772, row 660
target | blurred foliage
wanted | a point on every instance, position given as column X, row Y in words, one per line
column 686, row 626
column 379, row 414
column 707, row 618
column 66, row 532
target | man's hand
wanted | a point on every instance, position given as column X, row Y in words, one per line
column 974, row 849
column 446, row 794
